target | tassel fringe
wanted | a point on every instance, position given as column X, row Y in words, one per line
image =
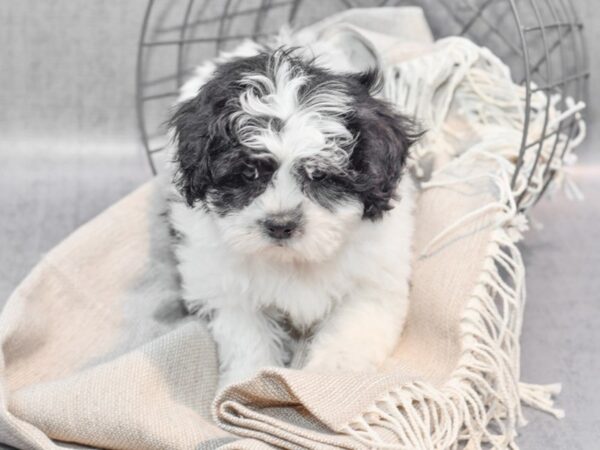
column 480, row 405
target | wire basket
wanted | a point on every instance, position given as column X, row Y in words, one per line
column 540, row 40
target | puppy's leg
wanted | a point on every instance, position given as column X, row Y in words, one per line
column 361, row 333
column 247, row 340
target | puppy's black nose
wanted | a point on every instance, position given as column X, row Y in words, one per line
column 280, row 229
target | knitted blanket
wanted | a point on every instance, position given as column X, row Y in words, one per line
column 97, row 350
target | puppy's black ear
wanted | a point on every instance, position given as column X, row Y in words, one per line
column 379, row 157
column 201, row 127
column 190, row 123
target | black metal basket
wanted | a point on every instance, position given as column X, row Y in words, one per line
column 541, row 41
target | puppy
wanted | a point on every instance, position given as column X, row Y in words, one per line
column 293, row 212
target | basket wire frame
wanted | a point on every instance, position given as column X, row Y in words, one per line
column 541, row 40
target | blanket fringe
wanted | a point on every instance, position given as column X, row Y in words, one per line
column 492, row 105
column 540, row 396
column 481, row 403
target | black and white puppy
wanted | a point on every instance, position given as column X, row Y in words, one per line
column 293, row 210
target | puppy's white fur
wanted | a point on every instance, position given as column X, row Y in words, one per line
column 344, row 277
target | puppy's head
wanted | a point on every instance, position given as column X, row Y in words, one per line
column 286, row 156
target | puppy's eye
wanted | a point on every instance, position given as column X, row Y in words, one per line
column 250, row 173
column 317, row 175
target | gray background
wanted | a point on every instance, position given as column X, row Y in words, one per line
column 69, row 147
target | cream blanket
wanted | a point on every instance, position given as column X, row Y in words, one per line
column 98, row 351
